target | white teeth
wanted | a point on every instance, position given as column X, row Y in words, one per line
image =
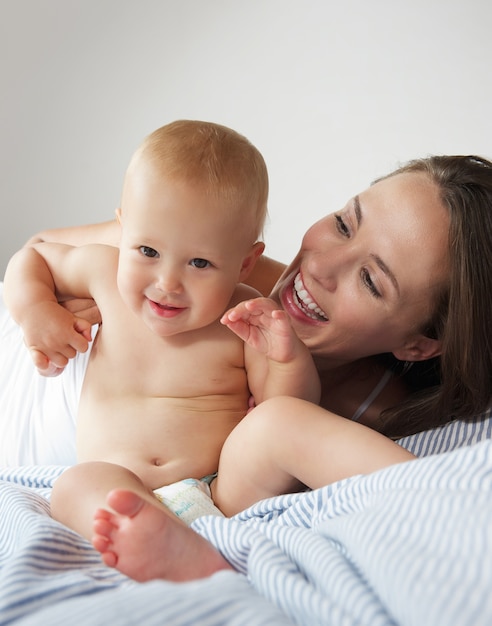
column 305, row 302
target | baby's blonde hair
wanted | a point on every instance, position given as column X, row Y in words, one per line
column 219, row 160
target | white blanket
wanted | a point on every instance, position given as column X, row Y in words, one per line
column 411, row 544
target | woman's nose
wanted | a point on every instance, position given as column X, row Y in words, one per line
column 329, row 282
column 326, row 269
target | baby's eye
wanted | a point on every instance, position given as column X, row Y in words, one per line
column 149, row 252
column 341, row 226
column 200, row 263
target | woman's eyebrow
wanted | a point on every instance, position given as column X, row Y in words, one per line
column 386, row 270
column 358, row 210
column 377, row 259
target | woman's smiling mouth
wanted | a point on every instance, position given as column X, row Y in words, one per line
column 305, row 303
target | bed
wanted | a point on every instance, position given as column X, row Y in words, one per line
column 411, row 544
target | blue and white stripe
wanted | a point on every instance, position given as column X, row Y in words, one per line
column 409, row 545
column 450, row 436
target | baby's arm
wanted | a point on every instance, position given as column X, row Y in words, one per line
column 51, row 333
column 277, row 361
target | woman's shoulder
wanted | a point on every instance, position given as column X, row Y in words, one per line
column 265, row 274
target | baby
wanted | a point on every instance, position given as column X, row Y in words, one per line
column 166, row 381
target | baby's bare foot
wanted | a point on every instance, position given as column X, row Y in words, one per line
column 145, row 541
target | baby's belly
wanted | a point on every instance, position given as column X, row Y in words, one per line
column 162, row 440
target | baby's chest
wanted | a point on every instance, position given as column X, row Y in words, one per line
column 172, row 369
column 204, row 370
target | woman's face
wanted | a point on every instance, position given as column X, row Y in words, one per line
column 365, row 279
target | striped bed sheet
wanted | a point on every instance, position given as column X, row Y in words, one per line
column 411, row 544
column 450, row 436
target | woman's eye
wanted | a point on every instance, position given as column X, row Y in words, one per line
column 199, row 263
column 369, row 284
column 149, row 252
column 341, row 226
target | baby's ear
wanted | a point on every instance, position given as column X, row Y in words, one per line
column 250, row 260
column 419, row 348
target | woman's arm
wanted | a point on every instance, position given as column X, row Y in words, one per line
column 105, row 232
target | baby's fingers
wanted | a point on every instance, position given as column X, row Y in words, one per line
column 84, row 335
column 39, row 359
column 264, row 306
column 44, row 366
column 236, row 314
column 244, row 310
column 280, row 314
column 51, row 371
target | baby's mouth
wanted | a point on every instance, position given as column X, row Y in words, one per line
column 305, row 303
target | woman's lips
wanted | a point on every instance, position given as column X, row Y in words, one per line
column 304, row 301
column 299, row 303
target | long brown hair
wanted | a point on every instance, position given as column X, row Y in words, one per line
column 462, row 319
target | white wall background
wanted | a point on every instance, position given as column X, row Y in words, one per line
column 334, row 93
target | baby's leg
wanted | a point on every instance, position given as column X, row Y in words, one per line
column 145, row 541
column 83, row 488
column 285, row 444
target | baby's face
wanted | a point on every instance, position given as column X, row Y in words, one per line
column 181, row 253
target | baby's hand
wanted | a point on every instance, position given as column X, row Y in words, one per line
column 44, row 366
column 84, row 308
column 264, row 327
column 53, row 336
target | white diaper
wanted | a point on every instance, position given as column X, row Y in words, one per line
column 37, row 414
column 188, row 499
